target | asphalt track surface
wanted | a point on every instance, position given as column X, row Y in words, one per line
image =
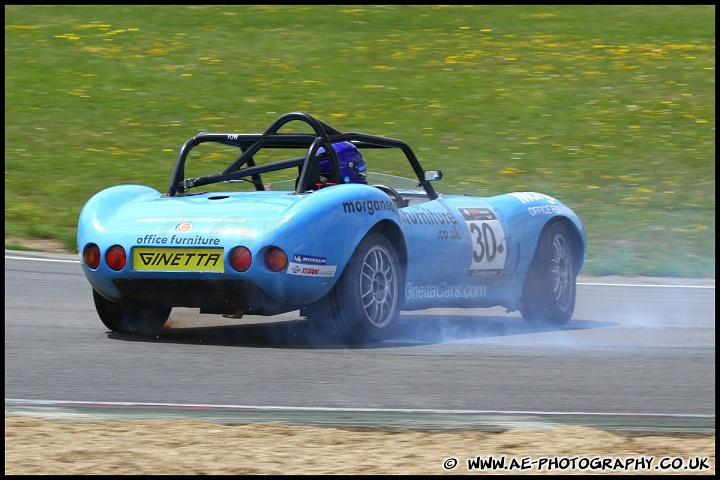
column 638, row 355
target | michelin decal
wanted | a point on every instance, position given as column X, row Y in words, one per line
column 310, row 266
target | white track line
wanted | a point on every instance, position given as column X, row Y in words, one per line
column 70, row 403
column 643, row 285
column 42, row 259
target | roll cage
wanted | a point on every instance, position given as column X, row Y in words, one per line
column 322, row 135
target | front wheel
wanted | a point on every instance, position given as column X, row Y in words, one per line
column 549, row 290
column 366, row 299
column 146, row 321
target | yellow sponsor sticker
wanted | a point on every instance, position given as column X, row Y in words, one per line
column 179, row 259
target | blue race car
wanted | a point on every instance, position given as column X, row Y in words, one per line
column 295, row 221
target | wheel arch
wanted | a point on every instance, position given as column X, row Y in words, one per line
column 366, row 302
column 548, row 291
column 392, row 231
column 577, row 243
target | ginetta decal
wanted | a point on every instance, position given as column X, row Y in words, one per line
column 489, row 247
column 178, row 259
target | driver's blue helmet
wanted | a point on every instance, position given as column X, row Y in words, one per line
column 352, row 164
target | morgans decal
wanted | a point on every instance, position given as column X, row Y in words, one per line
column 368, row 206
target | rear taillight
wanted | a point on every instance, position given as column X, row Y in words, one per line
column 91, row 256
column 240, row 259
column 276, row 259
column 116, row 258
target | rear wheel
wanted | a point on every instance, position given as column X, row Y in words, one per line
column 366, row 299
column 549, row 290
column 146, row 321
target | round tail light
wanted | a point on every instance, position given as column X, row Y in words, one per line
column 276, row 259
column 91, row 256
column 240, row 259
column 116, row 257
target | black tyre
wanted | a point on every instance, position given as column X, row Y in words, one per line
column 146, row 321
column 549, row 290
column 366, row 299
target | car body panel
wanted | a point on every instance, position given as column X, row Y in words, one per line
column 319, row 230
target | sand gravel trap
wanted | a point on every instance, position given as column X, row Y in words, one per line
column 35, row 445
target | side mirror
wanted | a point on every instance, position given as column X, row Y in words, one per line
column 432, row 175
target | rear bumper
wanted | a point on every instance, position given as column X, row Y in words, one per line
column 217, row 296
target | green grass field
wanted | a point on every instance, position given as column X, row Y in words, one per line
column 609, row 108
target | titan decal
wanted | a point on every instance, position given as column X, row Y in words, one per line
column 308, row 270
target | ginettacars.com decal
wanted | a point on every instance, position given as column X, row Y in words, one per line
column 178, row 259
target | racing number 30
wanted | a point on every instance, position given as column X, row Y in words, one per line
column 489, row 249
column 484, row 240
